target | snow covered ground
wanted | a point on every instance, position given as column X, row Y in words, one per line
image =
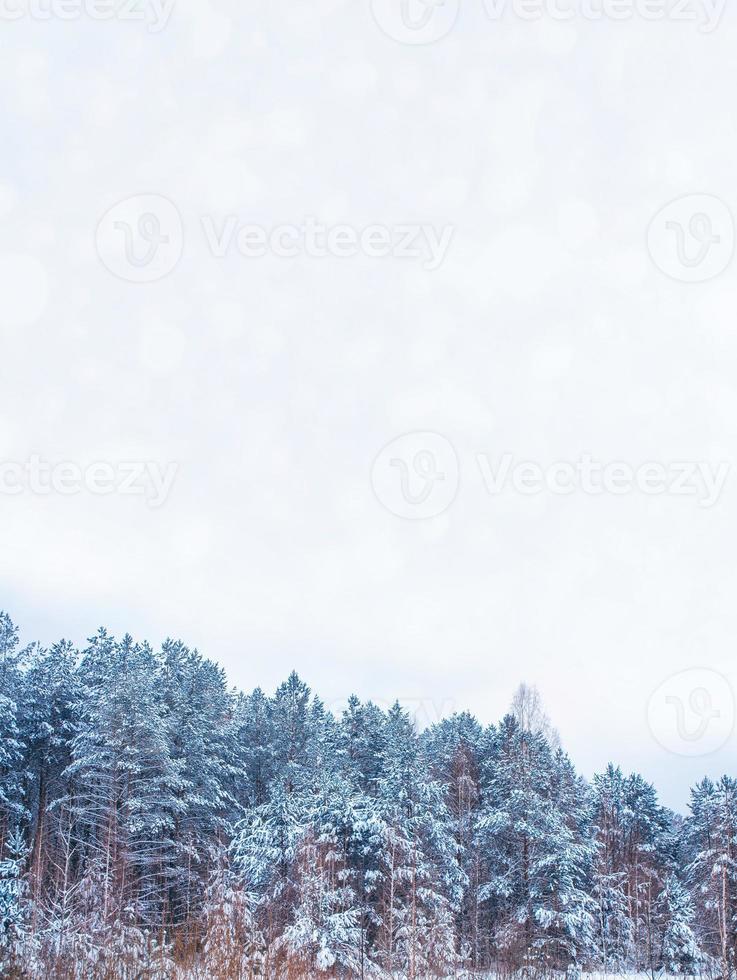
column 492, row 975
column 583, row 976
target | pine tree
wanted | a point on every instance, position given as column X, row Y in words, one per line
column 679, row 950
column 633, row 841
column 232, row 945
column 14, row 910
column 197, row 713
column 51, row 696
column 453, row 749
column 712, row 830
column 126, row 785
column 154, row 823
column 12, row 803
column 614, row 931
column 422, row 882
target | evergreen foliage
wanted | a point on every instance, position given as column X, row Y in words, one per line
column 155, row 823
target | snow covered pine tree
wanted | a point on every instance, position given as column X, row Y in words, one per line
column 156, row 824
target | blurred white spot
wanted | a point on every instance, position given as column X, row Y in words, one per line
column 355, row 79
column 23, row 289
column 678, row 168
column 447, row 194
column 286, row 129
column 520, row 261
column 408, row 81
column 8, row 199
column 161, row 347
column 508, row 194
column 301, row 14
column 578, row 223
column 379, row 556
column 225, row 183
column 265, row 341
column 211, row 31
column 227, row 320
column 334, row 209
column 192, row 542
column 628, row 268
column 556, row 39
column 549, row 363
column 31, row 62
column 648, row 402
column 7, row 437
column 42, row 233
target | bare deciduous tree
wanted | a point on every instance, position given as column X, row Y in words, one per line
column 528, row 708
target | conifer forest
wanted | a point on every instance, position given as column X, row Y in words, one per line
column 155, row 823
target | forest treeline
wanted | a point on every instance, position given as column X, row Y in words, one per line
column 155, row 823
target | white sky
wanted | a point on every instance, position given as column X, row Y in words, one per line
column 547, row 332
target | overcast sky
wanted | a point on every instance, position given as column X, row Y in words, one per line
column 520, row 163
